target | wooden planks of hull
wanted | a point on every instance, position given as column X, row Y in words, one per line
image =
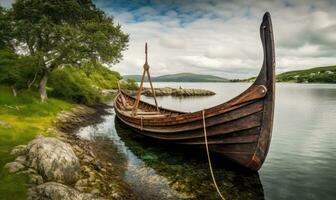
column 246, row 122
column 231, row 115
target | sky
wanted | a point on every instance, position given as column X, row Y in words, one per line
column 221, row 37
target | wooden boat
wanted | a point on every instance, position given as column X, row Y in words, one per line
column 239, row 129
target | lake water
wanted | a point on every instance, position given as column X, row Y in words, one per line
column 301, row 163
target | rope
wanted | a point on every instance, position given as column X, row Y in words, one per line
column 209, row 160
column 141, row 123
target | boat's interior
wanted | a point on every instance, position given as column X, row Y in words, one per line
column 145, row 110
column 125, row 104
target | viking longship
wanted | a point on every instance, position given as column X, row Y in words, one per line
column 239, row 129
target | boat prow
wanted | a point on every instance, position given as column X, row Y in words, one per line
column 239, row 129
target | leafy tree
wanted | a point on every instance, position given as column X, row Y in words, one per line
column 5, row 28
column 62, row 33
column 16, row 71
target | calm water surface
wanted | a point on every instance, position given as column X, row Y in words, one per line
column 301, row 163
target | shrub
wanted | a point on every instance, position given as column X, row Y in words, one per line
column 101, row 76
column 129, row 84
column 82, row 84
column 73, row 84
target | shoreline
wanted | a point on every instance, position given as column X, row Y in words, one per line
column 96, row 177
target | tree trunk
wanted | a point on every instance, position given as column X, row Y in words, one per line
column 43, row 87
column 14, row 91
column 29, row 84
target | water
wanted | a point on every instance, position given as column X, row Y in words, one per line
column 301, row 163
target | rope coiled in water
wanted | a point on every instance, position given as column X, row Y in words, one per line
column 209, row 160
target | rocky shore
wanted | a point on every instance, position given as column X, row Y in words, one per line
column 66, row 166
column 169, row 91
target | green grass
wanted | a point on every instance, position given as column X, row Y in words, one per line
column 27, row 117
column 313, row 75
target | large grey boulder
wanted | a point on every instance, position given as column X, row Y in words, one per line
column 57, row 191
column 53, row 159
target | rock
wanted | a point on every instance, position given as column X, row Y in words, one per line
column 35, row 179
column 22, row 160
column 91, row 153
column 86, row 170
column 166, row 91
column 77, row 149
column 53, row 159
column 57, row 191
column 87, row 159
column 14, row 167
column 98, row 183
column 92, row 177
column 95, row 192
column 82, row 183
column 28, row 171
column 19, row 150
column 97, row 166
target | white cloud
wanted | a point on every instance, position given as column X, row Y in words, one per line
column 222, row 37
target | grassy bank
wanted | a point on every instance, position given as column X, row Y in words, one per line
column 21, row 119
column 313, row 75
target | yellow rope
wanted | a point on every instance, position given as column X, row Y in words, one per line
column 209, row 160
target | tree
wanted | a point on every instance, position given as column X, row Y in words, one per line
column 16, row 71
column 63, row 33
column 5, row 28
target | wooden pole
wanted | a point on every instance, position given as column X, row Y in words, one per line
column 145, row 71
column 153, row 91
column 136, row 104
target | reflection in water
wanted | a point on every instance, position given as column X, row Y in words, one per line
column 301, row 163
column 152, row 170
column 142, row 180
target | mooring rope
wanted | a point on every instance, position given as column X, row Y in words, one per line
column 209, row 160
column 141, row 123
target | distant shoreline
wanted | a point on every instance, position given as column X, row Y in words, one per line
column 325, row 74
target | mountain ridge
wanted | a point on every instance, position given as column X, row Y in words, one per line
column 180, row 77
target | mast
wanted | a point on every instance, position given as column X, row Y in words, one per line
column 145, row 71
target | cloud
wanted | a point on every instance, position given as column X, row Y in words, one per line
column 222, row 37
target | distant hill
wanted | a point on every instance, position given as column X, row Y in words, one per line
column 313, row 75
column 181, row 77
